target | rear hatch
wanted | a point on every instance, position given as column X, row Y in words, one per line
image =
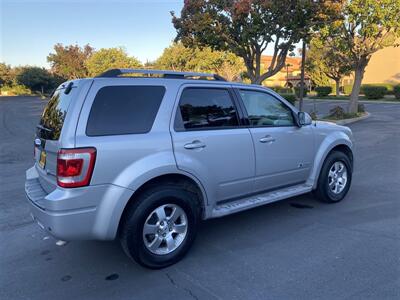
column 48, row 133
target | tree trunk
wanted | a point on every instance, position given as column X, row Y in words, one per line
column 358, row 77
column 337, row 82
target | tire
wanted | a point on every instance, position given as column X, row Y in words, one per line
column 326, row 190
column 145, row 210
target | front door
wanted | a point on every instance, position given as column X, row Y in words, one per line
column 284, row 151
column 210, row 143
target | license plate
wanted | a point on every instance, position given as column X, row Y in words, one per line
column 42, row 159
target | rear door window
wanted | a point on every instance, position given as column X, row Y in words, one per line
column 53, row 116
column 124, row 110
column 206, row 108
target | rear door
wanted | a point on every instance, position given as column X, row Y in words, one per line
column 284, row 151
column 48, row 132
column 211, row 143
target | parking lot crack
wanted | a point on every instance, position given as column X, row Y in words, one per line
column 187, row 290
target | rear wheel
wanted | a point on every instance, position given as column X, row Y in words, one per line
column 335, row 178
column 161, row 225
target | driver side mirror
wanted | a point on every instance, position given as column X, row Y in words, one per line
column 304, row 118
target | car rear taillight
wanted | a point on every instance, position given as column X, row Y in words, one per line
column 75, row 167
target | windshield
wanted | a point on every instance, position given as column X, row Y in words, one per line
column 54, row 114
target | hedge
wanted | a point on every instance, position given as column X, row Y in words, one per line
column 289, row 97
column 297, row 91
column 374, row 92
column 389, row 87
column 282, row 90
column 396, row 91
column 15, row 90
column 323, row 91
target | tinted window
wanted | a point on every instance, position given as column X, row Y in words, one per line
column 53, row 116
column 207, row 108
column 124, row 110
column 265, row 110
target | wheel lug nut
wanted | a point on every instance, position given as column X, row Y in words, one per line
column 164, row 235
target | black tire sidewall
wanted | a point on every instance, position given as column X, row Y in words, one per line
column 327, row 194
column 134, row 223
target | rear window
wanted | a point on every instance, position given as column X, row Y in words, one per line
column 124, row 110
column 53, row 116
column 206, row 108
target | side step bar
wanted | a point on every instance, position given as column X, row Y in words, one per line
column 260, row 199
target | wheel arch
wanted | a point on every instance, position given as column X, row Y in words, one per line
column 187, row 182
column 342, row 145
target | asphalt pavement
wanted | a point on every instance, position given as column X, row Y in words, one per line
column 294, row 249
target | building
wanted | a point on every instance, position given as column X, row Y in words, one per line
column 384, row 67
column 288, row 76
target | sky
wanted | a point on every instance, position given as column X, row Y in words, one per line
column 30, row 28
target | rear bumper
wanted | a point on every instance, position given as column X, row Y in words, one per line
column 86, row 213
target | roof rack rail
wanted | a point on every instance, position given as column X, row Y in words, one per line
column 165, row 74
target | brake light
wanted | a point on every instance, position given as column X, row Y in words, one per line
column 75, row 167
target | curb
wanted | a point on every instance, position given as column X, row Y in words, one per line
column 359, row 101
column 350, row 121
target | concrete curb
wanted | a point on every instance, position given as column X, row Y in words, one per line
column 350, row 121
column 359, row 101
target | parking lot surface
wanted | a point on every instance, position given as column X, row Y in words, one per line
column 294, row 249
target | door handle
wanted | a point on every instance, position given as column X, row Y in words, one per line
column 194, row 145
column 267, row 139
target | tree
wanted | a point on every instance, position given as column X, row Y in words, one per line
column 366, row 26
column 248, row 27
column 181, row 58
column 329, row 59
column 36, row 79
column 7, row 76
column 69, row 61
column 110, row 58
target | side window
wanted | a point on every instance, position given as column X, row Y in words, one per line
column 264, row 109
column 202, row 108
column 124, row 110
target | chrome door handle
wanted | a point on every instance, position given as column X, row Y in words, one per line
column 267, row 139
column 195, row 145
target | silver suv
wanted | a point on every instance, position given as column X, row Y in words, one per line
column 143, row 156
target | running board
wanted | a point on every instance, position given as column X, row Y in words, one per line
column 260, row 199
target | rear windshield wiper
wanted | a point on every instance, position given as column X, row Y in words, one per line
column 44, row 128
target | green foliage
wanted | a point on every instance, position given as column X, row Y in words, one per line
column 365, row 26
column 69, row 61
column 110, row 58
column 15, row 90
column 374, row 92
column 248, row 27
column 282, row 90
column 389, row 87
column 289, row 97
column 181, row 58
column 327, row 59
column 337, row 113
column 323, row 91
column 396, row 91
column 37, row 79
column 7, row 75
column 297, row 91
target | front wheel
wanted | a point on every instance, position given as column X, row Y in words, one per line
column 335, row 178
